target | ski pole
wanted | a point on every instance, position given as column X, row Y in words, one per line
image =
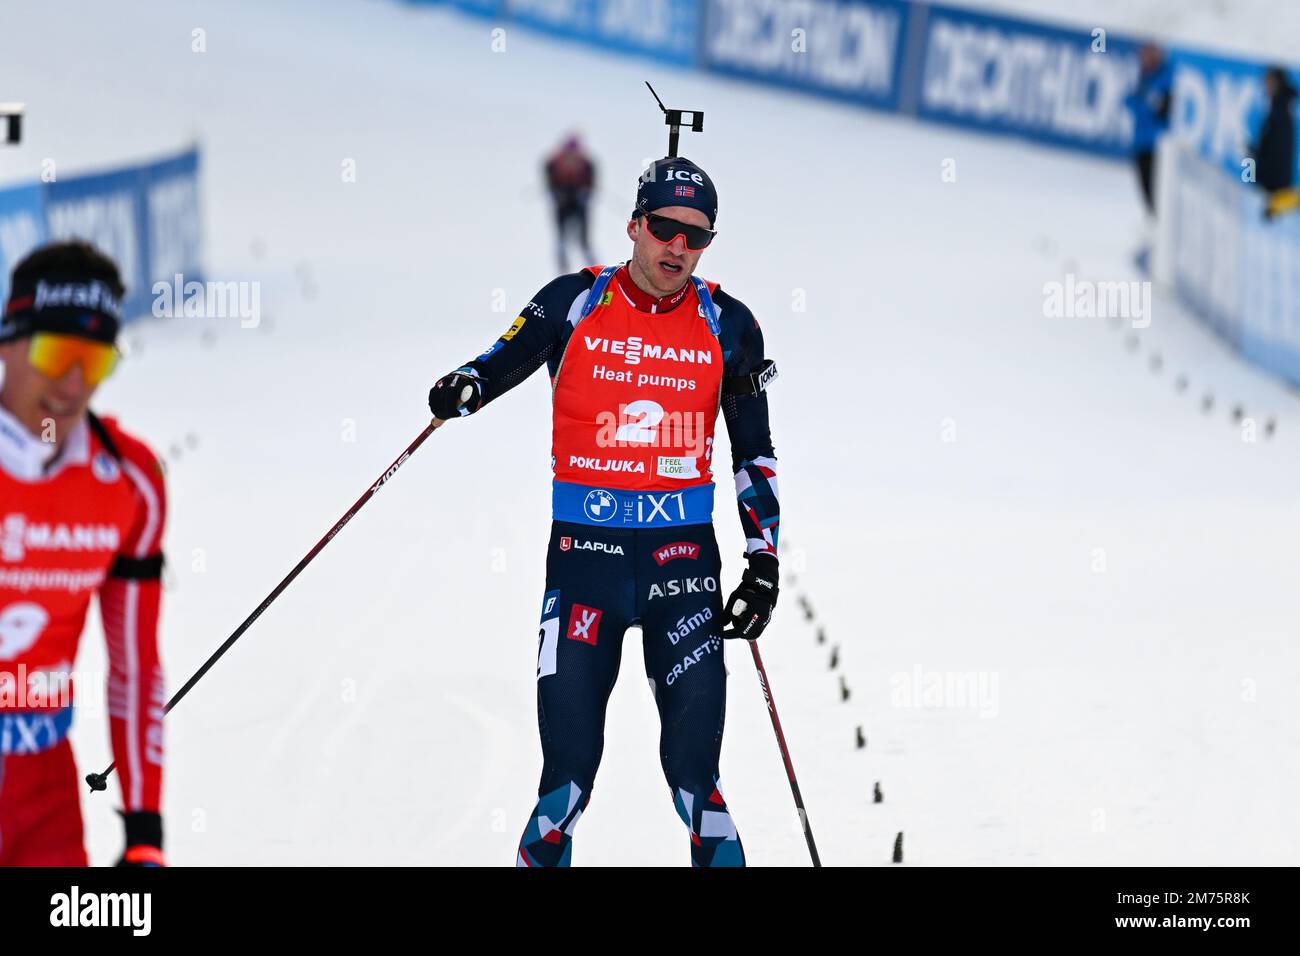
column 785, row 754
column 99, row 781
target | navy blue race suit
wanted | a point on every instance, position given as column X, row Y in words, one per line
column 662, row 574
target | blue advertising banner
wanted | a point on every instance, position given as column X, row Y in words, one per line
column 1235, row 269
column 1219, row 104
column 1058, row 85
column 479, row 8
column 663, row 29
column 22, row 228
column 172, row 215
column 145, row 217
column 847, row 49
column 482, row 8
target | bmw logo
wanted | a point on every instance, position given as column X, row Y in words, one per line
column 599, row 505
column 105, row 468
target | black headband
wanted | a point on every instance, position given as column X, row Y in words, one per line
column 63, row 305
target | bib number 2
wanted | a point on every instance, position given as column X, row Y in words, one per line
column 642, row 426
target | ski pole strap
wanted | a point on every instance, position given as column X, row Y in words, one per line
column 753, row 384
column 707, row 308
column 101, row 432
column 598, row 290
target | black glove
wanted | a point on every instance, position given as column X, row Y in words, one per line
column 456, row 393
column 143, row 840
column 749, row 609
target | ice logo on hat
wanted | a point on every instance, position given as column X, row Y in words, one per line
column 694, row 177
column 599, row 505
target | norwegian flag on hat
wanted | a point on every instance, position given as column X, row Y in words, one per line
column 683, row 190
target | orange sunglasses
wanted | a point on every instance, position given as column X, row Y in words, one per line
column 54, row 355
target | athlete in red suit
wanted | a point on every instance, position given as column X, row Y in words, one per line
column 82, row 507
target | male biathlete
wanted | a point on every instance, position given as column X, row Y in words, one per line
column 82, row 507
column 641, row 357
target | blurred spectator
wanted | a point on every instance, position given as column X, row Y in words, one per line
column 1150, row 103
column 570, row 179
column 1274, row 148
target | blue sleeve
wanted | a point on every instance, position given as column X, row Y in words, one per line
column 753, row 459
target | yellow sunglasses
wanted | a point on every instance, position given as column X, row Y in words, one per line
column 54, row 355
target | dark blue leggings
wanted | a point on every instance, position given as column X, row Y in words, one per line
column 599, row 582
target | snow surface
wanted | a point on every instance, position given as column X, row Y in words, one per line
column 382, row 711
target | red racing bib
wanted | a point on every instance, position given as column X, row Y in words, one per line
column 635, row 403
